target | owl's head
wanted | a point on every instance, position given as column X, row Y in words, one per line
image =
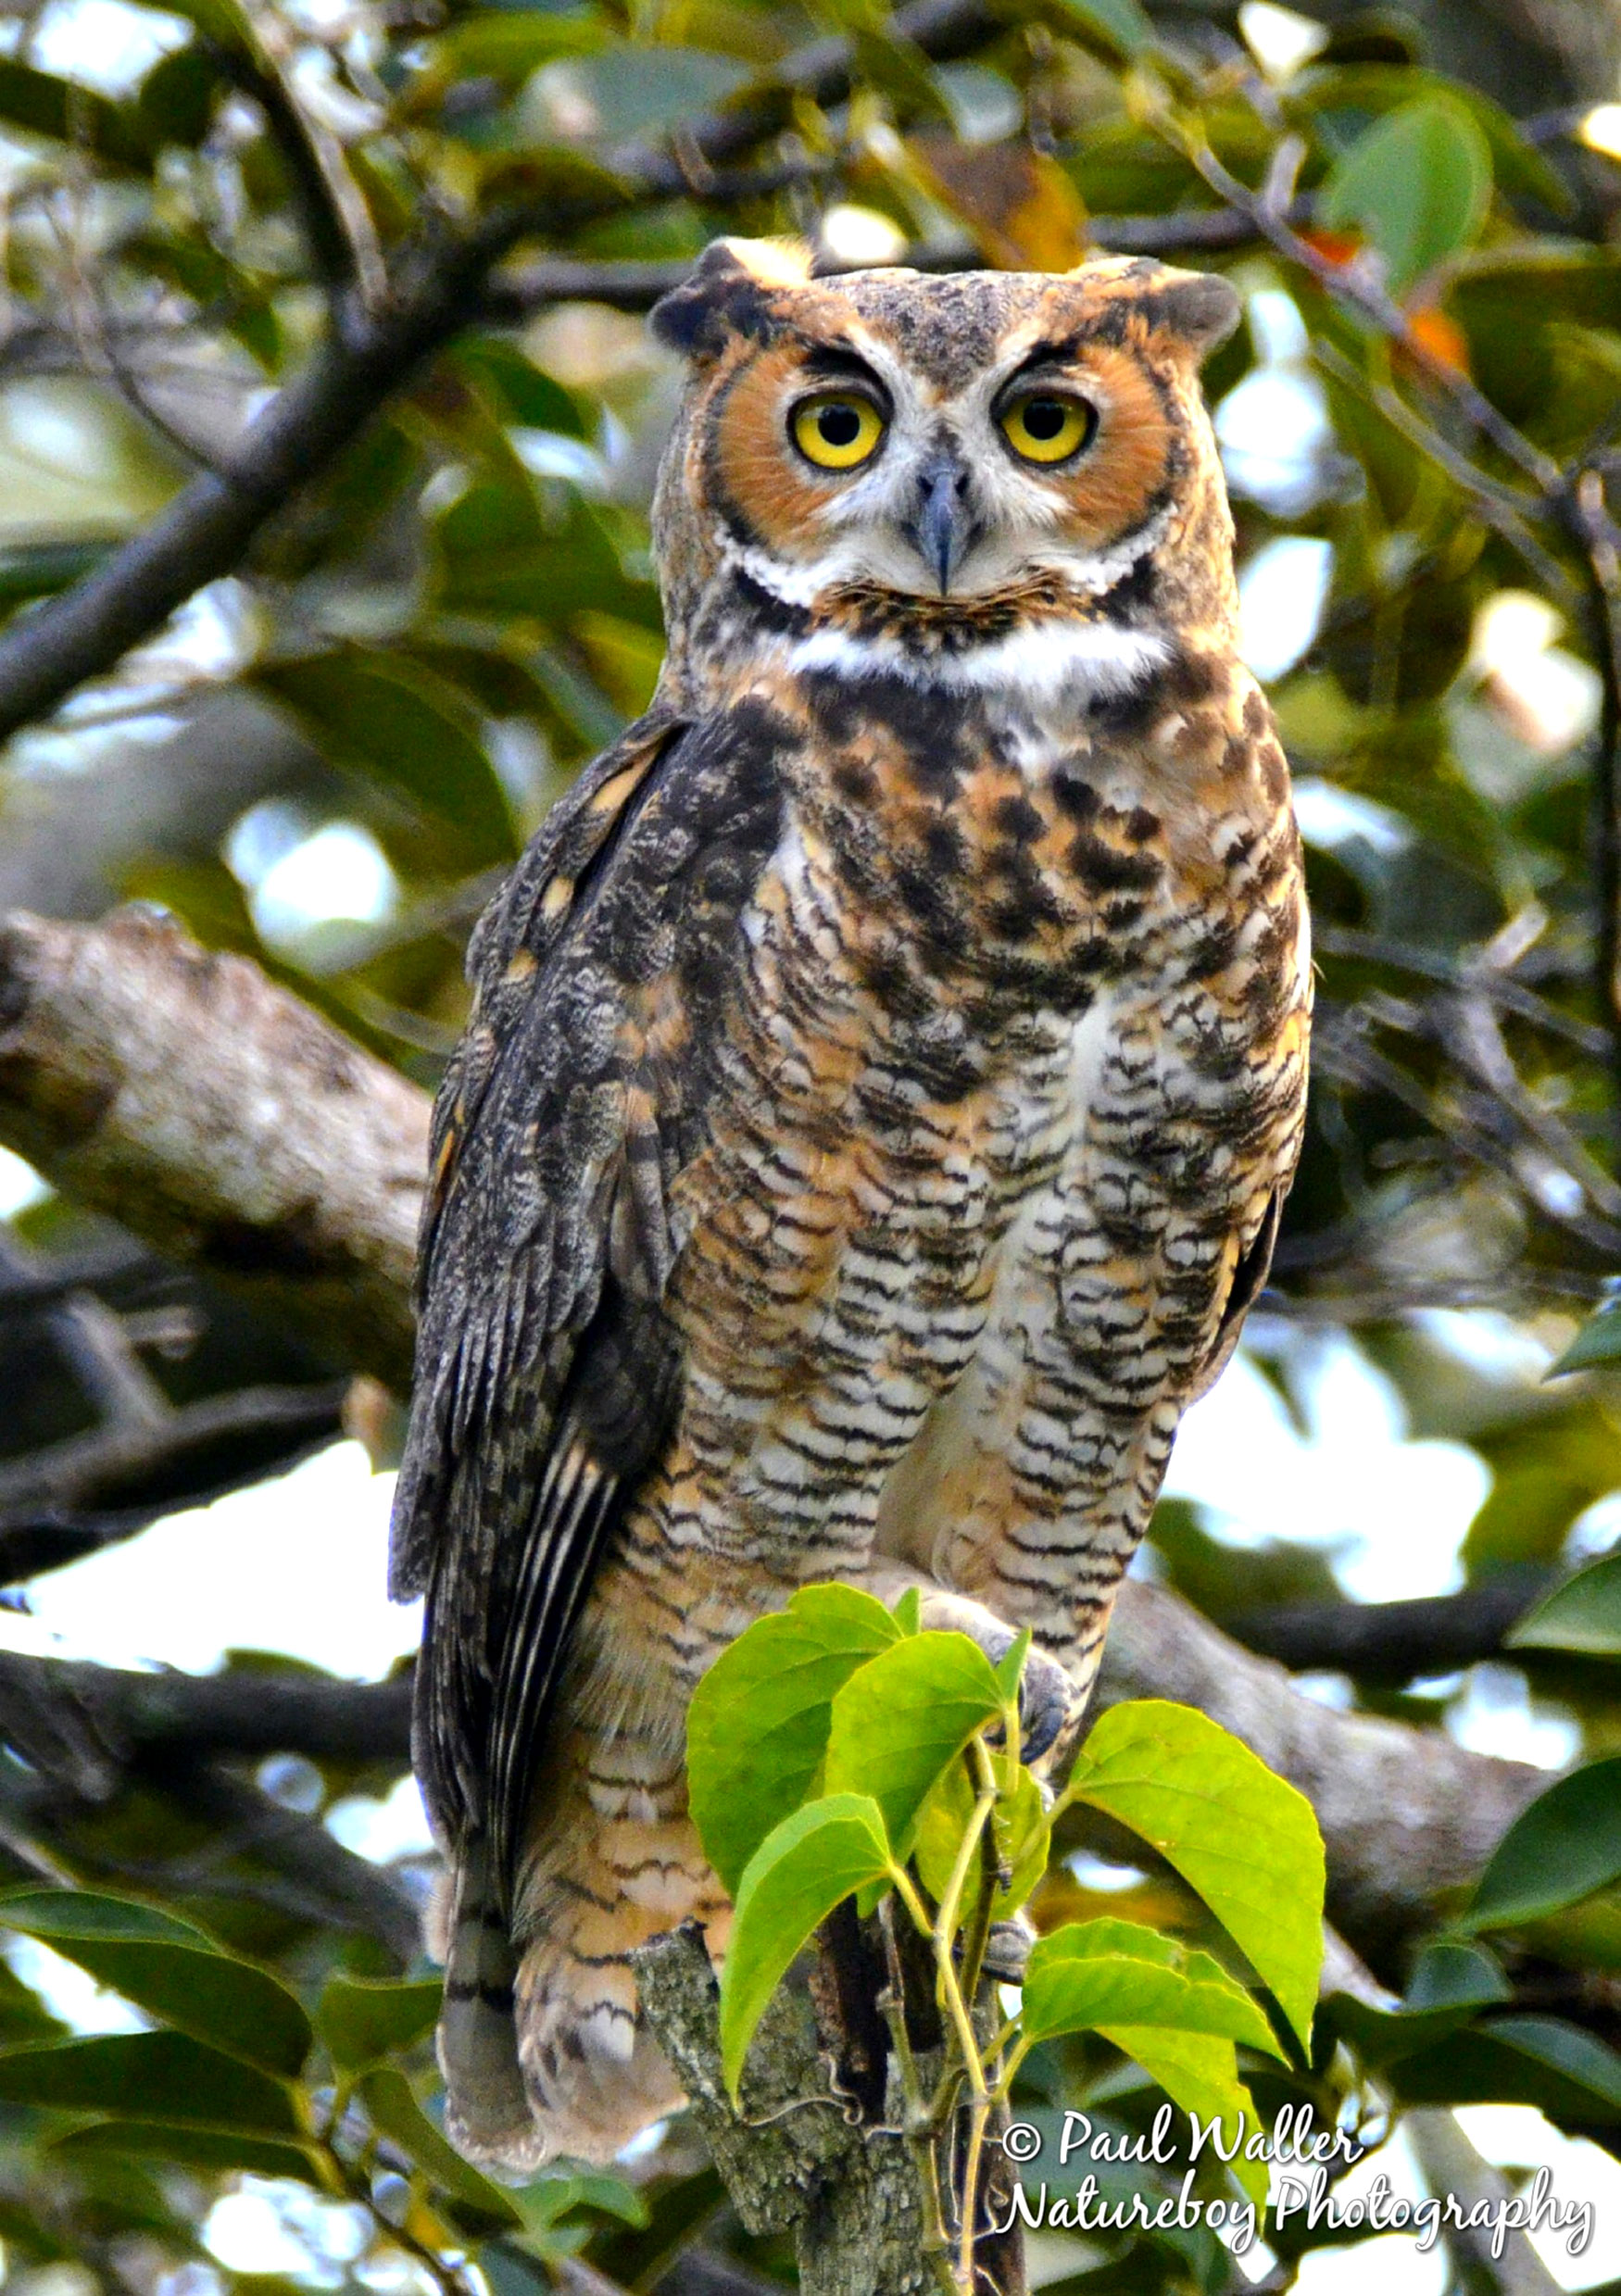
column 888, row 458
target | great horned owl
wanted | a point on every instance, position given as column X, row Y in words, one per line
column 886, row 1067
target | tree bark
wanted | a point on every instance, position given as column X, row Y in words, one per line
column 180, row 1092
column 793, row 2160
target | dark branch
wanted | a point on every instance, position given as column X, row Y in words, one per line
column 108, row 1713
column 519, row 288
column 87, row 1733
column 318, row 1881
column 98, row 1490
column 1393, row 1641
column 368, row 357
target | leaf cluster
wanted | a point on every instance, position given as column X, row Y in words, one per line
column 836, row 1752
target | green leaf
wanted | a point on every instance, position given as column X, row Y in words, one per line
column 903, row 1719
column 408, row 731
column 1022, row 1834
column 811, row 1862
column 149, row 2076
column 1418, row 182
column 363, row 2020
column 1566, row 1846
column 1584, row 1614
column 501, row 553
column 44, row 104
column 23, row 2016
column 1009, row 1668
column 626, row 89
column 1450, row 1985
column 908, row 1612
column 176, row 101
column 1092, row 1975
column 899, row 70
column 191, row 2148
column 1566, row 2073
column 1020, row 1827
column 1599, row 1341
column 1240, row 1835
column 174, row 1972
column 1122, row 25
column 386, row 2094
column 90, row 1914
column 509, row 44
column 757, row 1729
column 1200, row 2072
column 524, row 393
column 37, row 570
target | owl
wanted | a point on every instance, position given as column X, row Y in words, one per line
column 886, row 1070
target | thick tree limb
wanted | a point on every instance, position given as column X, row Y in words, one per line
column 1406, row 1814
column 87, row 1732
column 84, row 1722
column 792, row 2162
column 180, row 1092
column 519, row 289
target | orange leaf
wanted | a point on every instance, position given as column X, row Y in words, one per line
column 1022, row 210
column 1336, row 248
column 1440, row 340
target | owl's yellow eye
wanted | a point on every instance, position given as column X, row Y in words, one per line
column 1045, row 426
column 837, row 430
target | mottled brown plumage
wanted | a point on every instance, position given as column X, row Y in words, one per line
column 887, row 1068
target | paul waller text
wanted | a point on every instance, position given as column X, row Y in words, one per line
column 1303, row 2159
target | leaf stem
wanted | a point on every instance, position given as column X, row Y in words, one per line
column 917, row 2118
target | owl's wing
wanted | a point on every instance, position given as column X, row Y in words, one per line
column 1249, row 1282
column 546, row 1367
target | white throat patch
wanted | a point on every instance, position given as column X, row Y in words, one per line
column 1050, row 663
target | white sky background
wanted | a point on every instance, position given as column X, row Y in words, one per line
column 297, row 1565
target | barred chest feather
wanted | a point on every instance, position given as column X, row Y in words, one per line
column 1023, row 1026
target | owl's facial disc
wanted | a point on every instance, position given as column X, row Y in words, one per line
column 839, row 465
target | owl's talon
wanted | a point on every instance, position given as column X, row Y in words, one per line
column 1045, row 1697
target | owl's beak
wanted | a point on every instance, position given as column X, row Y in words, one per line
column 944, row 526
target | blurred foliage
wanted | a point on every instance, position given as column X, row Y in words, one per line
column 330, row 755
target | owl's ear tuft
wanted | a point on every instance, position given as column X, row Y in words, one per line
column 1200, row 306
column 732, row 289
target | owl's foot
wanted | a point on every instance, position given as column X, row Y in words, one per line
column 1047, row 1696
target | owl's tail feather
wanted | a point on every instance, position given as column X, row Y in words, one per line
column 487, row 2110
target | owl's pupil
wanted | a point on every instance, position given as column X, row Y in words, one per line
column 1044, row 418
column 839, row 426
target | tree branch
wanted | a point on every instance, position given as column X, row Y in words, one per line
column 86, row 1732
column 792, row 2161
column 1393, row 1641
column 517, row 289
column 369, row 355
column 56, row 1709
column 76, row 1497
column 177, row 1091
